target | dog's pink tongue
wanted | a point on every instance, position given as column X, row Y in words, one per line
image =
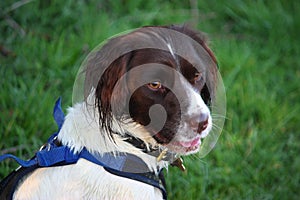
column 193, row 143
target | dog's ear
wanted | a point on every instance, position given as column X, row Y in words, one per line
column 101, row 77
column 209, row 90
column 111, row 91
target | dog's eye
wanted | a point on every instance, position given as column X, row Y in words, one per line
column 155, row 85
column 198, row 76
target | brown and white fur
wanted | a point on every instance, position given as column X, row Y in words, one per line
column 184, row 88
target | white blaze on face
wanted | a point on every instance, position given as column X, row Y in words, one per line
column 199, row 108
column 193, row 111
column 171, row 50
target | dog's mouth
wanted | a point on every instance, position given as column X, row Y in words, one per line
column 189, row 144
column 181, row 146
column 185, row 147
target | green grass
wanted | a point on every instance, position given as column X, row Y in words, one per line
column 257, row 45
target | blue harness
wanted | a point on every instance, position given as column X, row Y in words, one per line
column 54, row 154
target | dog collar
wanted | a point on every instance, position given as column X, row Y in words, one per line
column 54, row 154
column 165, row 155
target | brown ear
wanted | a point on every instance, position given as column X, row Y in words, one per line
column 106, row 87
column 209, row 91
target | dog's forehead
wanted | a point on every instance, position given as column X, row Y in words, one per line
column 173, row 41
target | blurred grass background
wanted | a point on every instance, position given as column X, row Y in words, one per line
column 43, row 43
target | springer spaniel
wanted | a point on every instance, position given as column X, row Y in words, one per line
column 144, row 100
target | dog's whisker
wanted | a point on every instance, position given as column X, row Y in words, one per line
column 218, row 116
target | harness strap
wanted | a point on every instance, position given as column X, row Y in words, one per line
column 9, row 184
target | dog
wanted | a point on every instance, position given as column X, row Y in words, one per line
column 145, row 101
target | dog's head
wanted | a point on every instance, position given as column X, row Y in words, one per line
column 157, row 83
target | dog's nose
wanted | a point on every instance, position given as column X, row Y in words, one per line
column 199, row 123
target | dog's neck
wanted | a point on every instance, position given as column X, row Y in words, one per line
column 81, row 130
